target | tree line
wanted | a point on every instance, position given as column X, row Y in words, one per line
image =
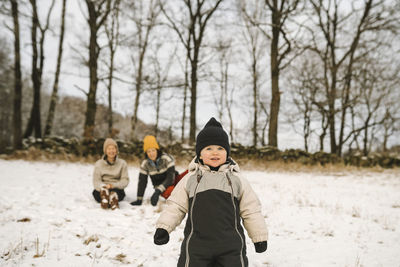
column 335, row 63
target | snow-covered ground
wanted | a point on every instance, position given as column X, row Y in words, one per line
column 49, row 218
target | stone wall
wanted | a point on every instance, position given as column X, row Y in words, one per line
column 134, row 150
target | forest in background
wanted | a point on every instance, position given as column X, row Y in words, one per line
column 335, row 65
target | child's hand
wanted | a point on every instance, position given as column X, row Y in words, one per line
column 109, row 186
column 161, row 237
column 155, row 196
column 261, row 246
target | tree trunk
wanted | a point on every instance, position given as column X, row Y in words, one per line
column 34, row 119
column 228, row 104
column 54, row 95
column 255, row 99
column 17, row 133
column 137, row 98
column 158, row 103
column 275, row 100
column 93, row 79
column 96, row 18
column 185, row 89
column 110, row 82
column 193, row 99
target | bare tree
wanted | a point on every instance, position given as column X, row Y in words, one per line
column 6, row 93
column 255, row 46
column 390, row 126
column 17, row 124
column 191, row 30
column 54, row 95
column 264, row 111
column 281, row 11
column 374, row 85
column 223, row 98
column 113, row 36
column 338, row 58
column 98, row 11
column 185, row 98
column 34, row 123
column 228, row 98
column 185, row 69
column 144, row 15
column 161, row 72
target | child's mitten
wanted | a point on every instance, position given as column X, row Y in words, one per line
column 161, row 237
column 155, row 196
column 137, row 202
column 261, row 246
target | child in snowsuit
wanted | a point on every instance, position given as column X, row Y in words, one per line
column 110, row 177
column 217, row 199
column 159, row 166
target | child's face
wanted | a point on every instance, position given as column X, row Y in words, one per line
column 111, row 152
column 152, row 153
column 213, row 155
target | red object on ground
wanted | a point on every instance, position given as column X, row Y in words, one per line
column 169, row 189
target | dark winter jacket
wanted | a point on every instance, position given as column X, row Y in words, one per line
column 161, row 172
column 215, row 201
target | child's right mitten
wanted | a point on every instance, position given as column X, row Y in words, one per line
column 261, row 246
column 161, row 236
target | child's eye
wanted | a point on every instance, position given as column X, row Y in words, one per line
column 220, row 148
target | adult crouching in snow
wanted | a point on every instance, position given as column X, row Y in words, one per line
column 110, row 177
column 159, row 166
column 217, row 198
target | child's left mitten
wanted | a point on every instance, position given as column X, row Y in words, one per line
column 261, row 246
column 161, row 236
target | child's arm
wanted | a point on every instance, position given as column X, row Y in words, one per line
column 250, row 211
column 124, row 179
column 176, row 209
column 97, row 177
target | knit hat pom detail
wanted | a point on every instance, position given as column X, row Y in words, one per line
column 213, row 123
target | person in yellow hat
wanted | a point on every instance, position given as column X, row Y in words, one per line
column 159, row 165
column 110, row 177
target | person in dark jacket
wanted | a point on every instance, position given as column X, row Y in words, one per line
column 110, row 177
column 159, row 166
column 216, row 198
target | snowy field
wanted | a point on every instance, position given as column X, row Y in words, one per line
column 49, row 218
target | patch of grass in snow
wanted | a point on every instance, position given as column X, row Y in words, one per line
column 25, row 219
column 92, row 238
column 37, row 248
column 121, row 258
column 358, row 262
column 355, row 213
column 14, row 251
column 386, row 224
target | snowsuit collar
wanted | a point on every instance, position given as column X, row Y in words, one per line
column 229, row 166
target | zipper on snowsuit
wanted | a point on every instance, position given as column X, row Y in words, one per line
column 237, row 230
column 191, row 221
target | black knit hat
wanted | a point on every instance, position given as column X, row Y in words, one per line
column 212, row 134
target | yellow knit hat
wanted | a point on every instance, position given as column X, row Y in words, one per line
column 149, row 141
column 108, row 142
